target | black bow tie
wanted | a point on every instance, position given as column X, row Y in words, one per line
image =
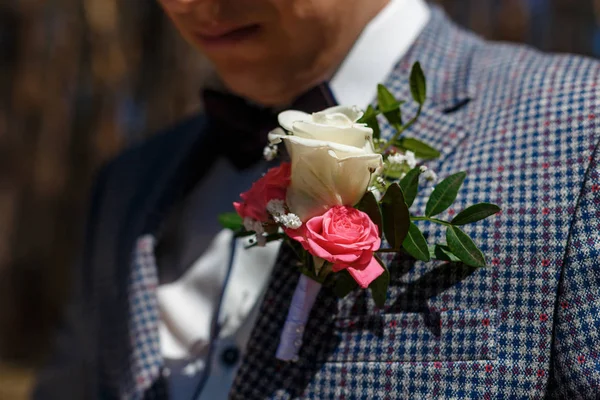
column 241, row 128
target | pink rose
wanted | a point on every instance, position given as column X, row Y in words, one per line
column 273, row 185
column 347, row 238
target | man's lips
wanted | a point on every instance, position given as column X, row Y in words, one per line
column 226, row 36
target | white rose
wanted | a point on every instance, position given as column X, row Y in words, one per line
column 333, row 158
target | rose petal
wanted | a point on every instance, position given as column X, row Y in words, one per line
column 287, row 118
column 365, row 276
column 323, row 250
column 298, row 235
column 272, row 185
column 321, row 180
column 338, row 120
column 340, row 248
column 353, row 135
column 353, row 113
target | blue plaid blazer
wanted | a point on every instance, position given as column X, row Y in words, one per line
column 523, row 124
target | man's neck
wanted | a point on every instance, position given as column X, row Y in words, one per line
column 382, row 43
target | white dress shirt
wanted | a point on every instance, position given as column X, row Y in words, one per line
column 228, row 285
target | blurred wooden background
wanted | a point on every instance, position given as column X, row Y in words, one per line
column 81, row 79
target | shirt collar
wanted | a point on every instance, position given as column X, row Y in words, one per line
column 379, row 47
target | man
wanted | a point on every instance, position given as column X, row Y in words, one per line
column 522, row 124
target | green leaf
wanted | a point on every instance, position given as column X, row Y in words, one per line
column 231, row 220
column 394, row 118
column 443, row 253
column 444, row 194
column 370, row 118
column 370, row 113
column 418, row 87
column 386, row 100
column 396, row 219
column 475, row 213
column 389, row 106
column 344, row 284
column 368, row 204
column 421, row 150
column 380, row 285
column 410, row 185
column 415, row 244
column 464, row 248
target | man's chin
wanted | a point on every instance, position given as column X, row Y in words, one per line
column 261, row 87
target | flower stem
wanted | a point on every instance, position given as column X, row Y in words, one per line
column 399, row 131
column 387, row 251
column 434, row 220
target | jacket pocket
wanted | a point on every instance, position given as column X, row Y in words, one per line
column 457, row 335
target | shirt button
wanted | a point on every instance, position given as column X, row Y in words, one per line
column 230, row 356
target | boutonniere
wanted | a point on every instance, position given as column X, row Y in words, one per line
column 344, row 191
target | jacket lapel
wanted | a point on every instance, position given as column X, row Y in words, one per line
column 145, row 359
column 130, row 359
column 445, row 53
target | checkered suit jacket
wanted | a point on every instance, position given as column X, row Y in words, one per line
column 523, row 124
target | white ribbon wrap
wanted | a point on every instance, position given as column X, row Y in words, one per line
column 303, row 300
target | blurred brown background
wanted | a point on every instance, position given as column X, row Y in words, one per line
column 81, row 79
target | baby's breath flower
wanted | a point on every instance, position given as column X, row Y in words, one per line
column 276, row 207
column 291, row 221
column 410, row 159
column 396, row 158
column 376, row 192
column 253, row 225
column 249, row 224
column 270, row 152
column 407, row 158
column 430, row 175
